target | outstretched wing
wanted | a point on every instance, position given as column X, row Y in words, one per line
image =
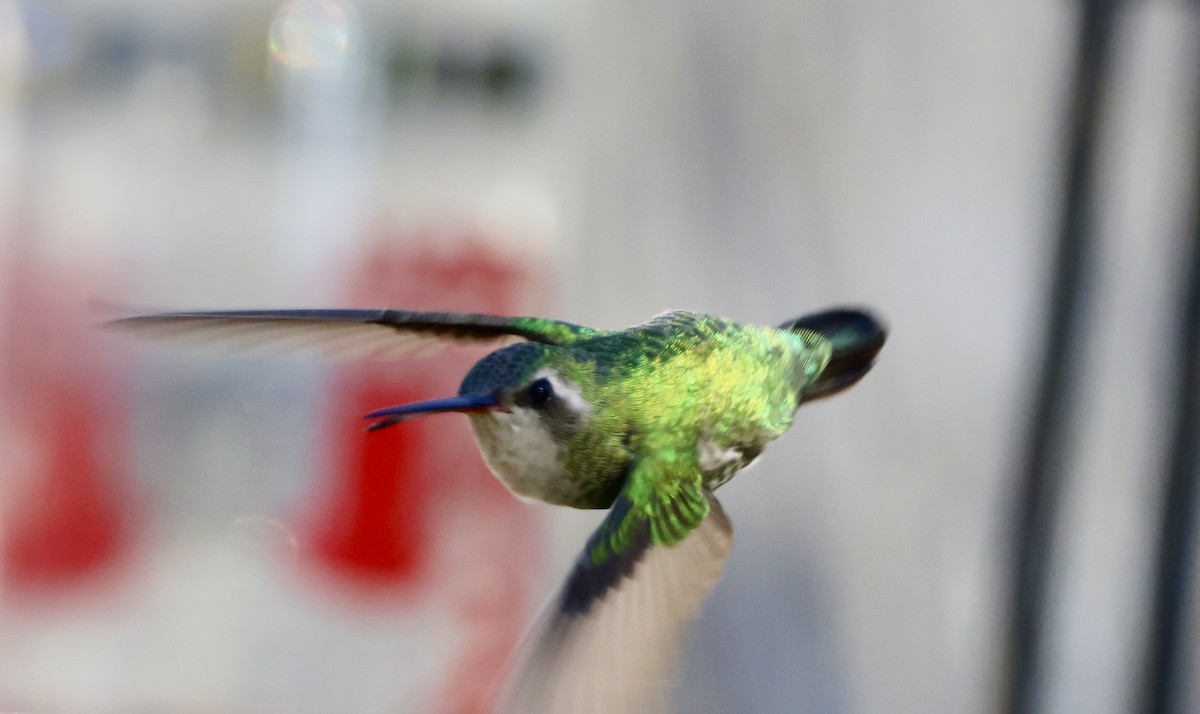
column 346, row 334
column 610, row 640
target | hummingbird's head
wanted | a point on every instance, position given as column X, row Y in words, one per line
column 524, row 407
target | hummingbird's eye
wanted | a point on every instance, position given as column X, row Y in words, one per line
column 540, row 392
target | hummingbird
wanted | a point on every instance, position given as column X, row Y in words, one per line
column 646, row 423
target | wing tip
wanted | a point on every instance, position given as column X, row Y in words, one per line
column 622, row 655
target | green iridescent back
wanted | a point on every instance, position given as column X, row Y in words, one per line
column 686, row 380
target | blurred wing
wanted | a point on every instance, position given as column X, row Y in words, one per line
column 347, row 334
column 610, row 641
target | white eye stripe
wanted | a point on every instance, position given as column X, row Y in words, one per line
column 566, row 391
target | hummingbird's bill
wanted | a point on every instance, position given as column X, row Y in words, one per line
column 462, row 404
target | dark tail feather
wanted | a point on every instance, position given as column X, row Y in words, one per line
column 857, row 337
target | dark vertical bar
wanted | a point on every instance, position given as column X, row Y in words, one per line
column 1165, row 653
column 1042, row 472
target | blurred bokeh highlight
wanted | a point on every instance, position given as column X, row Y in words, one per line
column 204, row 531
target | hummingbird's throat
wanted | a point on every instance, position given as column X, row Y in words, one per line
column 520, row 449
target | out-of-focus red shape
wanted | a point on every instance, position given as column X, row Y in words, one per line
column 374, row 528
column 375, row 504
column 72, row 522
column 67, row 515
column 392, row 499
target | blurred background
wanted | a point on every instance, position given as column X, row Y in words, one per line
column 200, row 532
